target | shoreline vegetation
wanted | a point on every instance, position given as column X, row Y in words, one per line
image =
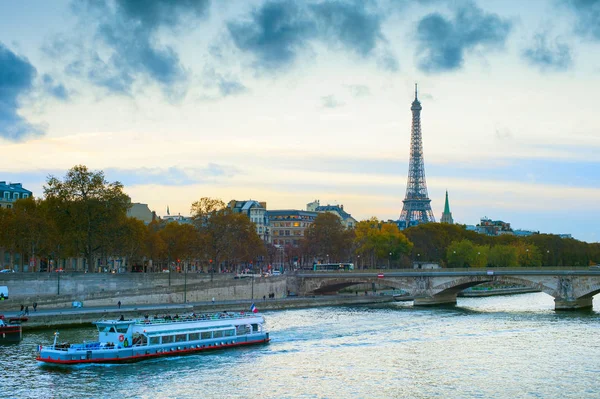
column 82, row 224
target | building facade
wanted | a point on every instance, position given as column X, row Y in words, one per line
column 493, row 227
column 257, row 213
column 141, row 212
column 288, row 226
column 345, row 218
column 11, row 192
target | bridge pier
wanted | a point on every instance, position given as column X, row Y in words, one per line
column 446, row 299
column 572, row 304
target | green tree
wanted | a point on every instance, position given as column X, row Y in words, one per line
column 503, row 256
column 528, row 255
column 86, row 208
column 375, row 241
column 461, row 254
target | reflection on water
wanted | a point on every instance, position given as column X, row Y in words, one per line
column 494, row 347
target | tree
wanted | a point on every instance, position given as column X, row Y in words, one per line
column 326, row 237
column 131, row 238
column 32, row 228
column 181, row 241
column 461, row 254
column 226, row 236
column 528, row 255
column 375, row 241
column 503, row 256
column 464, row 253
column 87, row 208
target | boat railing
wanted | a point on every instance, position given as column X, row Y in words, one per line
column 86, row 346
column 195, row 318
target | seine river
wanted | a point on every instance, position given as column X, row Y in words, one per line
column 497, row 347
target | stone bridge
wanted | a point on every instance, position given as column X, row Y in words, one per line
column 571, row 289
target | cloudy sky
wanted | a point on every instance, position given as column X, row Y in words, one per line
column 291, row 101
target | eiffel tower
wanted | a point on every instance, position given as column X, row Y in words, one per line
column 417, row 205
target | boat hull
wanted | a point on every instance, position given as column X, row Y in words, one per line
column 139, row 353
column 11, row 334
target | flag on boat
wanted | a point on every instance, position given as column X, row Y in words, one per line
column 253, row 309
column 39, row 348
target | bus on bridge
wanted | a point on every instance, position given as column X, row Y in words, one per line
column 333, row 267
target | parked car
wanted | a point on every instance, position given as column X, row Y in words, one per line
column 595, row 267
column 7, row 271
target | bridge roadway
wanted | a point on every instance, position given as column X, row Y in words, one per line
column 572, row 288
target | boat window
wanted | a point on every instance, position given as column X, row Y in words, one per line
column 229, row 333
column 154, row 340
column 254, row 327
column 112, row 329
column 206, row 335
column 122, row 329
column 217, row 334
column 167, row 339
column 194, row 336
column 103, row 328
column 180, row 338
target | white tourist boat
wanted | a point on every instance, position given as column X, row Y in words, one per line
column 121, row 341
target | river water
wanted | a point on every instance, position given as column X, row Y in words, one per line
column 497, row 347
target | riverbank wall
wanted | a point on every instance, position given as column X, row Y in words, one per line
column 60, row 290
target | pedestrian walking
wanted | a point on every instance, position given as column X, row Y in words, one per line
column 22, row 307
column 119, row 304
column 213, row 300
column 35, row 306
column 27, row 309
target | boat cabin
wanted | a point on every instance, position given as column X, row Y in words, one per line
column 115, row 332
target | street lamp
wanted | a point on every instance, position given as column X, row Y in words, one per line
column 358, row 262
column 328, row 258
column 389, row 260
column 527, row 252
column 185, row 284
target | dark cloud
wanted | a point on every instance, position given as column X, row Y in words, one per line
column 16, row 78
column 156, row 13
column 129, row 30
column 350, row 24
column 55, row 89
column 278, row 31
column 231, row 87
column 588, row 17
column 443, row 42
column 274, row 34
column 548, row 56
column 225, row 84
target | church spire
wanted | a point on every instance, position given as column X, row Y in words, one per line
column 447, row 215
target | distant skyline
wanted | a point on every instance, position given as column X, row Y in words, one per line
column 291, row 101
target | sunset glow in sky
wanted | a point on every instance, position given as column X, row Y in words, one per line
column 291, row 101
